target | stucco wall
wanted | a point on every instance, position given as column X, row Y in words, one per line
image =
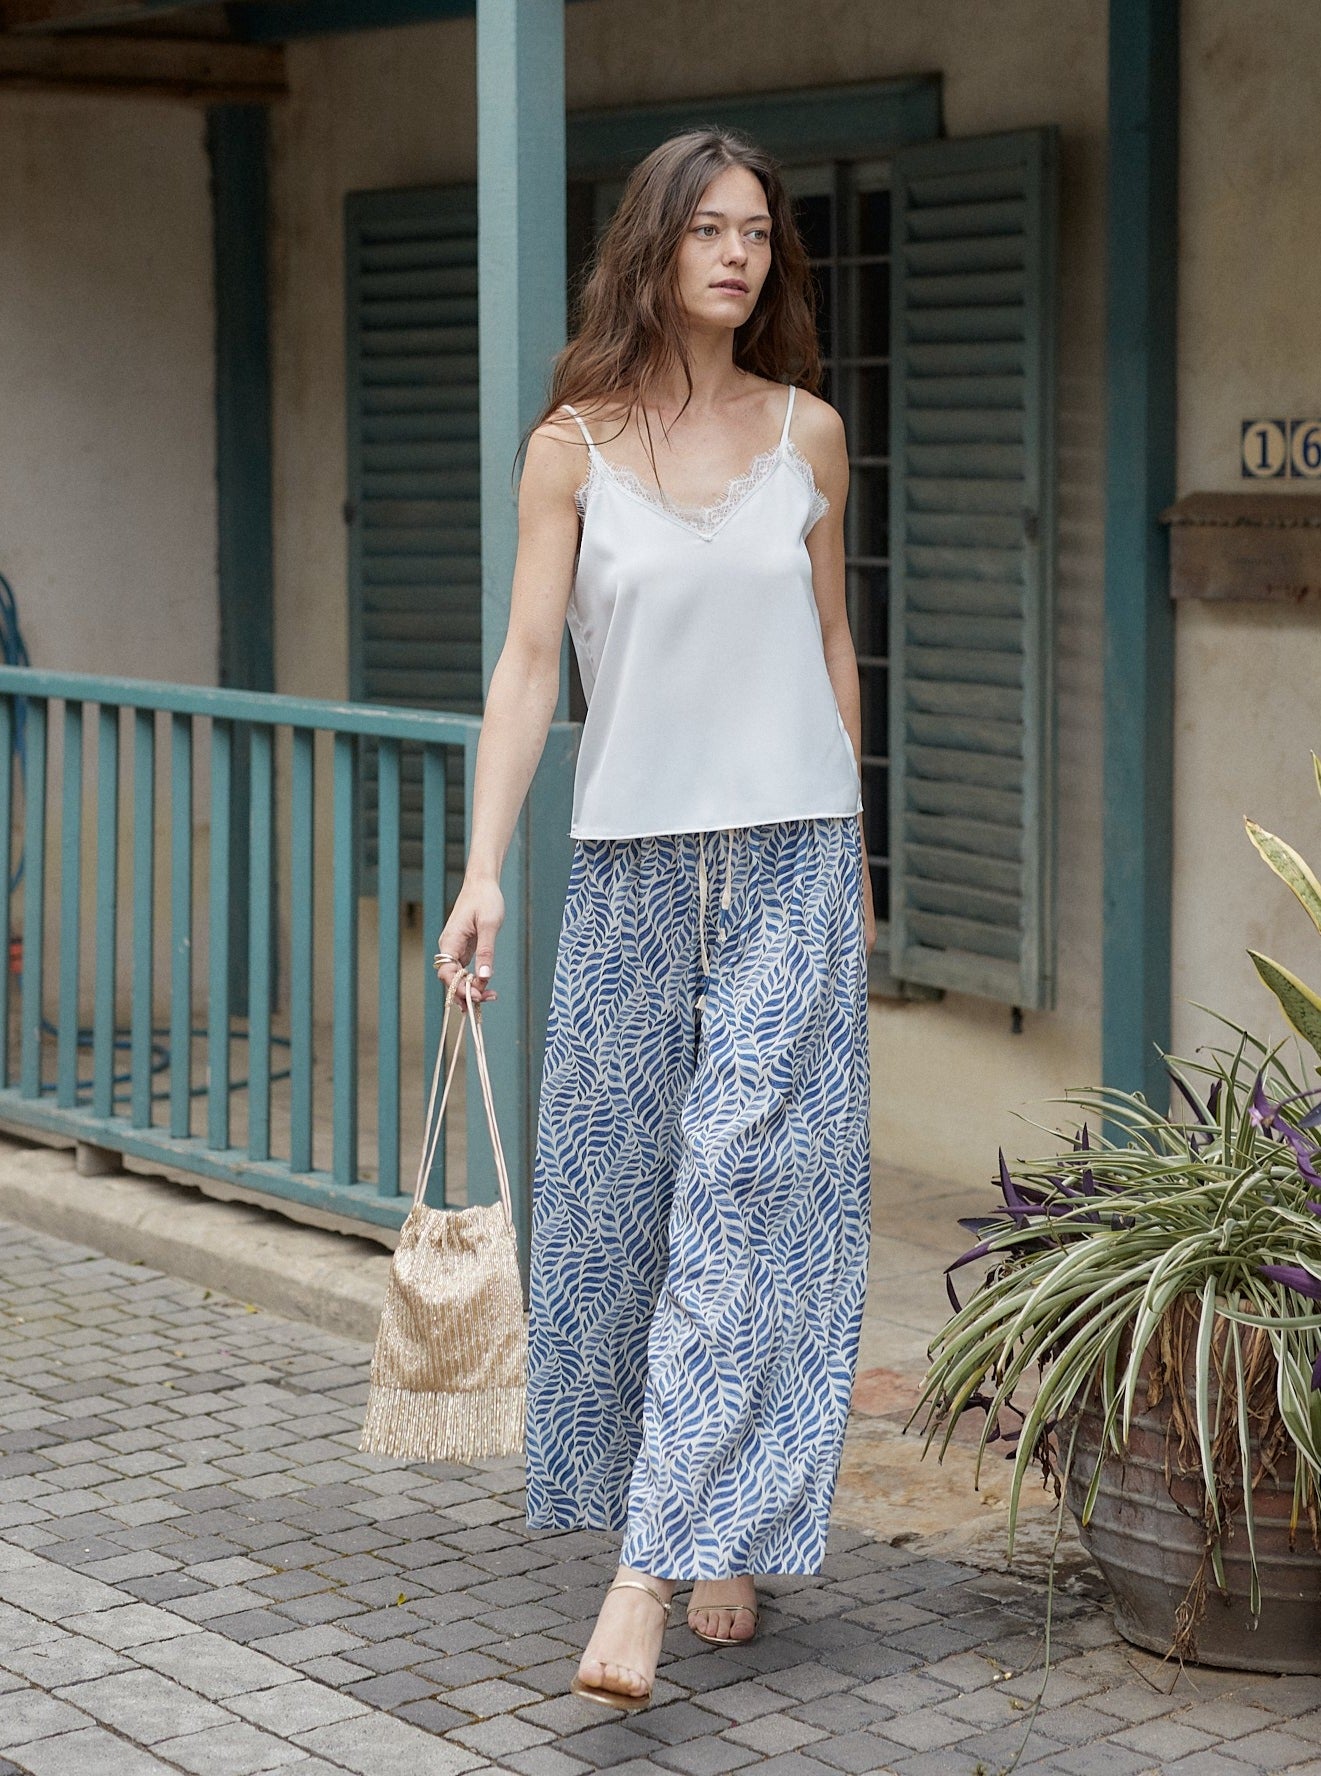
column 107, row 461
column 1246, row 709
column 107, row 458
column 398, row 108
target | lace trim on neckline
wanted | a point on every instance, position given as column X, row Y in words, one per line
column 707, row 520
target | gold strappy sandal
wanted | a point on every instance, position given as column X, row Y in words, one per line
column 723, row 1639
column 618, row 1698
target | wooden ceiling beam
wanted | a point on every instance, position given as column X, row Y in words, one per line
column 39, row 16
column 136, row 67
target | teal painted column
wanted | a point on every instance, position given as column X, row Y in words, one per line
column 521, row 279
column 236, row 138
column 1140, row 481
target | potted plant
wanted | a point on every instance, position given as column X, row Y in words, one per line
column 1148, row 1333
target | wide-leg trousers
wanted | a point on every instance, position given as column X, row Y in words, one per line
column 700, row 1196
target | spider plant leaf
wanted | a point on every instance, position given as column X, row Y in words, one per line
column 1290, row 868
column 1298, row 1002
column 1164, row 1283
column 1202, row 1397
column 1217, row 1554
column 1107, row 1435
column 1245, row 1457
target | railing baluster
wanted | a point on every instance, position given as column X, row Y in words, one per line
column 107, row 909
column 71, row 878
column 217, row 1018
column 34, row 897
column 387, row 909
column 302, row 932
column 181, row 926
column 344, row 1145
column 144, row 912
column 6, row 868
column 433, row 917
column 261, row 786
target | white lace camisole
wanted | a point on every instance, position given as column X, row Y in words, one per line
column 709, row 705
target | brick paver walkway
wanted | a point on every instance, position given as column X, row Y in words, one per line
column 199, row 1573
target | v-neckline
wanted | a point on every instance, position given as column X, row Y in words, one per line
column 736, row 495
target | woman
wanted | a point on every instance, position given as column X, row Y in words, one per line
column 700, row 1186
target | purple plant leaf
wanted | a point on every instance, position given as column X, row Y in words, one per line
column 1294, row 1277
column 1015, row 1202
column 1194, row 1103
column 1267, row 1117
column 970, row 1257
column 1299, row 1097
column 1303, row 1151
column 978, row 1224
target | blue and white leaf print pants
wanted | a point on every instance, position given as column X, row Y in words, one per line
column 701, row 1197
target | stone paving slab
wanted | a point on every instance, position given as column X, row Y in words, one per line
column 199, row 1573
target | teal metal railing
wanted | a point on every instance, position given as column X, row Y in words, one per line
column 178, row 1097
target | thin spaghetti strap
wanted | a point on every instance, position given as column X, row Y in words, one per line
column 788, row 414
column 591, row 442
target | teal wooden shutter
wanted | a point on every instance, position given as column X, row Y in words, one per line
column 972, row 545
column 415, row 597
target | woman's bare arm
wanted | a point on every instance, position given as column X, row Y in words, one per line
column 821, row 439
column 520, row 701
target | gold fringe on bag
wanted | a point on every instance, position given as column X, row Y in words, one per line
column 449, row 1370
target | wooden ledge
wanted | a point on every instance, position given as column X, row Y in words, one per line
column 188, row 68
column 1246, row 547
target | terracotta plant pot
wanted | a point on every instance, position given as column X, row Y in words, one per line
column 1146, row 1534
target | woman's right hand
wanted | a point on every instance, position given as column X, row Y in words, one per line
column 477, row 914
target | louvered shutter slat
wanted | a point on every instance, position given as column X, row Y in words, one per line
column 972, row 532
column 414, row 477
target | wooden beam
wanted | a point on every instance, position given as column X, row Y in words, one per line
column 137, row 67
column 71, row 15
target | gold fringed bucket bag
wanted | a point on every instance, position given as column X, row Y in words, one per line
column 449, row 1370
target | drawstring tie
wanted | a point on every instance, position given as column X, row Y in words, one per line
column 725, row 901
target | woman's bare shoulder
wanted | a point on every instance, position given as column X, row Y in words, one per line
column 816, row 423
column 556, row 459
column 818, row 435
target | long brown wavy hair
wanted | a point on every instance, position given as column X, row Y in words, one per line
column 632, row 331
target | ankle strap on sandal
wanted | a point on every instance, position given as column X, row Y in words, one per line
column 637, row 1585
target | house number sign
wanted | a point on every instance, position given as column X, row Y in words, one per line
column 1276, row 449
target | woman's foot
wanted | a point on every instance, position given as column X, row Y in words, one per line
column 705, row 1616
column 626, row 1641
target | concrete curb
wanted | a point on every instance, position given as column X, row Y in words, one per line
column 332, row 1280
